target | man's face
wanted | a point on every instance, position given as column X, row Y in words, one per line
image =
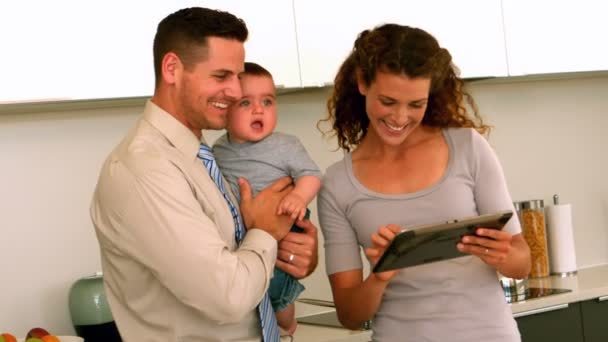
column 205, row 92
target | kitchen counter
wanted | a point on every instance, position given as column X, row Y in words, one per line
column 586, row 284
column 317, row 333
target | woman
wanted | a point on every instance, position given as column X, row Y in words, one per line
column 413, row 156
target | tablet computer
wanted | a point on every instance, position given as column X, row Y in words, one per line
column 435, row 242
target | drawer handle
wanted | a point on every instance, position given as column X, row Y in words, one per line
column 602, row 298
column 546, row 309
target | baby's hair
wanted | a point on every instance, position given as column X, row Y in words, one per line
column 254, row 69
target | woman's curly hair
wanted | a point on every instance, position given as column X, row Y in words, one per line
column 400, row 50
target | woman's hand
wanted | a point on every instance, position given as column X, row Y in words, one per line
column 298, row 252
column 508, row 254
column 493, row 246
column 380, row 241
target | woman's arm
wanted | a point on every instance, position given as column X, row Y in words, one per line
column 517, row 263
column 357, row 300
column 505, row 250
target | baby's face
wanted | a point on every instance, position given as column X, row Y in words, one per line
column 254, row 116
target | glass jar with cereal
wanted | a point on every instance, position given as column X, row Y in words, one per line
column 532, row 217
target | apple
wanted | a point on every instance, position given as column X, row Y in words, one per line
column 37, row 333
column 8, row 338
column 50, row 338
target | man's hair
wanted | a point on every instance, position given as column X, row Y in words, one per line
column 186, row 31
column 254, row 69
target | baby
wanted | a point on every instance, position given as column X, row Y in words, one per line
column 253, row 150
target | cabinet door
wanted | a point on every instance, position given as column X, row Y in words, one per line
column 546, row 36
column 69, row 50
column 555, row 324
column 470, row 29
column 595, row 313
column 272, row 35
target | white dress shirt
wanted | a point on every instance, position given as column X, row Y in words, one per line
column 172, row 269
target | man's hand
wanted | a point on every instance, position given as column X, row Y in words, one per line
column 298, row 252
column 261, row 212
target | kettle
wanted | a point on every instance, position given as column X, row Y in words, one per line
column 513, row 288
column 90, row 311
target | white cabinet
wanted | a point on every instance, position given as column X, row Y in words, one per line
column 72, row 50
column 82, row 50
column 66, row 49
column 471, row 30
column 551, row 36
column 272, row 35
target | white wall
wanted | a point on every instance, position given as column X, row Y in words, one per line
column 549, row 136
column 49, row 169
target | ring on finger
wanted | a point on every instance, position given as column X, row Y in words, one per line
column 291, row 257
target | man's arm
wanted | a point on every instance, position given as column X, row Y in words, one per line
column 151, row 214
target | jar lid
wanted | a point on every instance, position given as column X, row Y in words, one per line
column 517, row 205
column 530, row 204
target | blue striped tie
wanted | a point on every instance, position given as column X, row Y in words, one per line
column 270, row 329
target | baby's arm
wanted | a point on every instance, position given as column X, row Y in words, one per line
column 295, row 202
column 286, row 319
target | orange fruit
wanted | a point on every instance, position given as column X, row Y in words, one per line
column 50, row 338
column 9, row 338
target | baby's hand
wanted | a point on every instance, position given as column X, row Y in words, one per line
column 292, row 205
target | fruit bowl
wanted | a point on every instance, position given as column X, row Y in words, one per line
column 61, row 339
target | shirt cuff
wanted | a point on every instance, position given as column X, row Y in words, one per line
column 262, row 244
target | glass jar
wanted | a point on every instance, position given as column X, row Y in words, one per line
column 532, row 217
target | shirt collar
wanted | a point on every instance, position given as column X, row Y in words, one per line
column 176, row 133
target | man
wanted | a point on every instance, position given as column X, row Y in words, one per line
column 177, row 265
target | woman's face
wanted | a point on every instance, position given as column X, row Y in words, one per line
column 395, row 105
